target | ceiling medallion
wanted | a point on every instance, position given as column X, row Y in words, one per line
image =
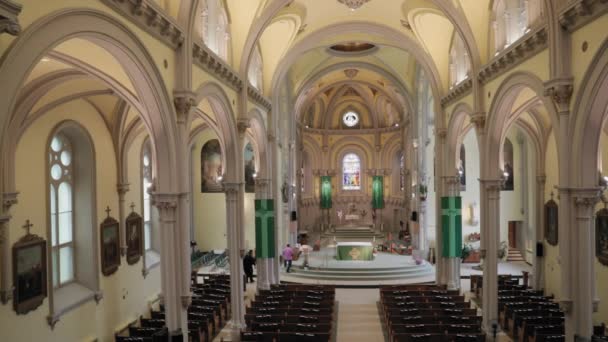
column 353, row 4
column 351, row 73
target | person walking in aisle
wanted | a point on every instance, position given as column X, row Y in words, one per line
column 288, row 257
column 248, row 263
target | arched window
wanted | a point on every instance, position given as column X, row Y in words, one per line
column 513, row 19
column 205, row 22
column 256, row 69
column 62, row 209
column 351, row 172
column 460, row 64
column 146, row 178
column 350, row 119
column 74, row 274
column 222, row 36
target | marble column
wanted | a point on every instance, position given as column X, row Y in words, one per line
column 451, row 265
column 264, row 266
column 490, row 227
column 538, row 266
column 173, row 297
column 237, row 303
column 579, row 319
column 6, row 285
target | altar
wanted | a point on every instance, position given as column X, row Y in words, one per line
column 355, row 251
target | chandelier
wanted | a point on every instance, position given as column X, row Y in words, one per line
column 353, row 4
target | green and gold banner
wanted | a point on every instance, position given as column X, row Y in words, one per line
column 264, row 229
column 325, row 192
column 377, row 192
column 451, row 226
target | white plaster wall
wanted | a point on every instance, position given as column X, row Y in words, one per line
column 510, row 201
column 471, row 193
column 126, row 292
column 209, row 209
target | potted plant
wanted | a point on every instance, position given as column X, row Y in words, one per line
column 422, row 191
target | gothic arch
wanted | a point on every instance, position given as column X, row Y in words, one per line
column 590, row 115
column 109, row 33
column 258, row 133
column 456, row 132
column 500, row 112
column 227, row 126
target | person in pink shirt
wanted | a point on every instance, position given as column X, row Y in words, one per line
column 288, row 257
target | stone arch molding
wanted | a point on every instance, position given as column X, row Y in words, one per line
column 591, row 113
column 455, row 134
column 499, row 115
column 220, row 104
column 107, row 32
column 258, row 133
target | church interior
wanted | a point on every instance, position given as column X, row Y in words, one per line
column 303, row 170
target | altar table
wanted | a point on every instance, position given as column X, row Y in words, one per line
column 354, row 251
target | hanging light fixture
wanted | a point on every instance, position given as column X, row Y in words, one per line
column 353, row 4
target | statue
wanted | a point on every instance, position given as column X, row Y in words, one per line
column 285, row 192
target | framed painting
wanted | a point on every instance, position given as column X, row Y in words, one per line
column 29, row 273
column 211, row 166
column 110, row 245
column 134, row 226
column 601, row 236
column 551, row 222
column 250, row 172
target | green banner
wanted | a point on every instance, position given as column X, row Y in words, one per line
column 451, row 226
column 325, row 192
column 377, row 192
column 264, row 229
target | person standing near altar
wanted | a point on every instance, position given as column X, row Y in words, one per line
column 288, row 257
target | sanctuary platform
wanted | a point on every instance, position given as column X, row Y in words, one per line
column 385, row 268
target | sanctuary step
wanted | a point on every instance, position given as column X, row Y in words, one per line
column 514, row 255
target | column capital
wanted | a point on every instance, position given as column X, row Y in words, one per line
column 586, row 197
column 479, row 120
column 231, row 190
column 183, row 100
column 242, row 124
column 560, row 91
column 9, row 199
column 492, row 186
column 9, row 22
column 166, row 203
column 122, row 188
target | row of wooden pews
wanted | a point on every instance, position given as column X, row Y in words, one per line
column 291, row 312
column 526, row 315
column 207, row 315
column 429, row 313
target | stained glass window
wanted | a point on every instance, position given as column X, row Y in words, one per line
column 351, row 172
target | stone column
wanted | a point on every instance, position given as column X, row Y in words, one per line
column 237, row 304
column 538, row 267
column 490, row 226
column 440, row 148
column 264, row 266
column 273, row 149
column 6, row 286
column 579, row 319
column 242, row 124
column 451, row 265
column 122, row 189
column 176, row 302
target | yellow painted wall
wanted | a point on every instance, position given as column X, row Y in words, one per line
column 126, row 293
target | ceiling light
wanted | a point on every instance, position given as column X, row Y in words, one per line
column 397, row 124
column 353, row 4
column 45, row 59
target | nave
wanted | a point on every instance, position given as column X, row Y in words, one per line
column 330, row 149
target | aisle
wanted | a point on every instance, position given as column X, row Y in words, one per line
column 358, row 316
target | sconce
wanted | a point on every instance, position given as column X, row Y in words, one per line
column 254, row 175
column 220, row 178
